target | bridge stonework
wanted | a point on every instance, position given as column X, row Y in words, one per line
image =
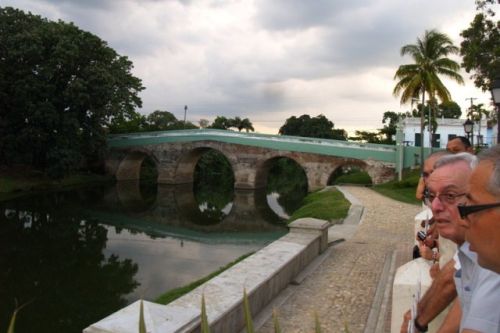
column 176, row 162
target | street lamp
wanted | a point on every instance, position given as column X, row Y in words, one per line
column 495, row 93
column 469, row 128
column 185, row 111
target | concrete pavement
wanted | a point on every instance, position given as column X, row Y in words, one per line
column 349, row 286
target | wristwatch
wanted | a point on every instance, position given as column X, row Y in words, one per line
column 419, row 327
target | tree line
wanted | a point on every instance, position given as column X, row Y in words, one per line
column 63, row 90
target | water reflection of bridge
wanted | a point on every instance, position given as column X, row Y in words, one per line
column 175, row 212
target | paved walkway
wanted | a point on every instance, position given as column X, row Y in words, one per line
column 351, row 287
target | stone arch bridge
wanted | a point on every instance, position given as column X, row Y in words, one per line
column 176, row 153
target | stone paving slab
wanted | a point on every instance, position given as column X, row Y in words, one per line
column 341, row 291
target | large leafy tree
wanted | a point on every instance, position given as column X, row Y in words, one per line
column 59, row 87
column 430, row 61
column 221, row 122
column 316, row 127
column 128, row 123
column 162, row 120
column 390, row 121
column 367, row 136
column 480, row 47
column 449, row 109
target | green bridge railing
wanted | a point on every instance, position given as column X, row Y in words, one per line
column 401, row 156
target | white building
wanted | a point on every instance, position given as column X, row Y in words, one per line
column 447, row 129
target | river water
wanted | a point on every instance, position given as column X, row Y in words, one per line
column 74, row 257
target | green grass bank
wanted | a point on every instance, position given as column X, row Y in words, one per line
column 327, row 205
column 403, row 190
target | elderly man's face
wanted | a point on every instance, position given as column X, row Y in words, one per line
column 429, row 166
column 456, row 146
column 483, row 227
column 448, row 185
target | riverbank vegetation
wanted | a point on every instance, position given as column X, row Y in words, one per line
column 329, row 205
column 403, row 190
column 20, row 181
column 350, row 175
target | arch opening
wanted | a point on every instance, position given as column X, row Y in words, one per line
column 213, row 184
column 137, row 177
column 351, row 173
column 286, row 185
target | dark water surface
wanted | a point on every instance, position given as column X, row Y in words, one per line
column 76, row 256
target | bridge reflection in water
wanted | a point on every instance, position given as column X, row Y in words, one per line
column 180, row 237
column 175, row 208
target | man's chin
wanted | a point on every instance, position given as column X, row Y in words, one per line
column 445, row 230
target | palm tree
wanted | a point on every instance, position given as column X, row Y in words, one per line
column 242, row 124
column 246, row 124
column 430, row 60
column 476, row 113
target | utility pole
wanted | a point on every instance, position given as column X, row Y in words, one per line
column 472, row 109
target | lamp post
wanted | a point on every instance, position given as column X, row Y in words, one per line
column 495, row 93
column 469, row 128
column 185, row 111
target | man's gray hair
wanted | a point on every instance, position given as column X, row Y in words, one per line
column 493, row 155
column 439, row 153
column 470, row 159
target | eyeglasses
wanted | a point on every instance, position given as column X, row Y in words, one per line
column 445, row 198
column 466, row 210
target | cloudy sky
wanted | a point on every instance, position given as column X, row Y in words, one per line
column 267, row 60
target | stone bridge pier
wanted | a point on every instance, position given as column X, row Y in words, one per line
column 176, row 163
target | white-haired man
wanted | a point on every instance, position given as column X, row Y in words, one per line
column 481, row 214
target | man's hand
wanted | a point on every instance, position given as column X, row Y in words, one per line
column 425, row 251
column 434, row 270
column 406, row 321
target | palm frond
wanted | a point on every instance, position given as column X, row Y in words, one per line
column 12, row 322
column 205, row 328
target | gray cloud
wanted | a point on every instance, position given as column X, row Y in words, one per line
column 263, row 59
column 299, row 14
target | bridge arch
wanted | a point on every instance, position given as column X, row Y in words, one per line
column 186, row 163
column 262, row 172
column 129, row 167
column 355, row 163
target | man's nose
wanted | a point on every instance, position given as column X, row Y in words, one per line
column 437, row 205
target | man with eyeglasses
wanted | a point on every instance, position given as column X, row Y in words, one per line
column 421, row 249
column 475, row 286
column 427, row 170
column 481, row 213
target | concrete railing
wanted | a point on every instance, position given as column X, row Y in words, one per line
column 264, row 275
column 412, row 280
